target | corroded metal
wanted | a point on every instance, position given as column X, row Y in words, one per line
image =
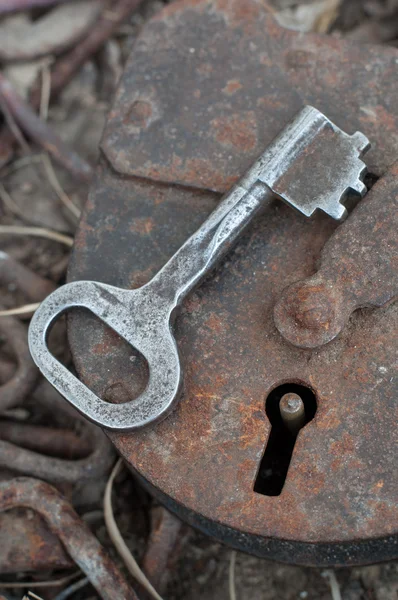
column 22, row 460
column 62, row 443
column 163, row 547
column 209, row 111
column 26, row 544
column 22, row 381
column 53, row 454
column 359, row 268
column 75, row 536
column 224, row 78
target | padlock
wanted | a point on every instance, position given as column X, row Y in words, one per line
column 299, row 318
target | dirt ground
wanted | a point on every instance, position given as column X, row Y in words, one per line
column 201, row 569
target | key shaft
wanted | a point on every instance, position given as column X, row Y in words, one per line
column 202, row 251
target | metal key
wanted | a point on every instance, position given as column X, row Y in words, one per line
column 311, row 165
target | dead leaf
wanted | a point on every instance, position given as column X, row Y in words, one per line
column 56, row 30
column 317, row 16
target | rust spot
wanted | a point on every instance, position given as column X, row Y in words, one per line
column 378, row 486
column 313, row 307
column 117, row 393
column 139, row 114
column 139, row 278
column 142, row 226
column 110, row 340
column 203, row 171
column 240, row 13
column 330, row 421
column 192, row 304
column 344, row 446
column 233, row 85
column 299, row 58
column 205, row 69
column 214, row 323
column 236, row 132
column 172, row 8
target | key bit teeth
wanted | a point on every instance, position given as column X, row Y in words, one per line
column 361, row 142
column 338, row 212
column 313, row 164
column 359, row 187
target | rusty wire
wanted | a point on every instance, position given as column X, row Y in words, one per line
column 41, row 133
column 162, row 547
column 53, row 453
column 67, row 66
column 14, row 273
column 49, row 468
column 76, row 537
column 23, row 380
column 34, row 450
column 51, row 441
column 26, row 544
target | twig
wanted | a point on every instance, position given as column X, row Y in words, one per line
column 66, row 67
column 330, row 575
column 20, row 163
column 10, row 135
column 9, row 6
column 41, row 133
column 38, row 232
column 72, row 589
column 54, row 182
column 38, row 584
column 45, row 89
column 117, row 539
column 12, row 124
column 231, row 576
column 52, row 179
column 9, row 202
column 44, row 158
column 27, row 310
column 7, row 146
column 16, row 414
column 57, row 271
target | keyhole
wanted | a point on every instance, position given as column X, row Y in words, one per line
column 289, row 408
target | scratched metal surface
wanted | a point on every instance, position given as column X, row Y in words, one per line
column 339, row 503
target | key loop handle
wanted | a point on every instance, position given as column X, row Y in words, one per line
column 115, row 307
